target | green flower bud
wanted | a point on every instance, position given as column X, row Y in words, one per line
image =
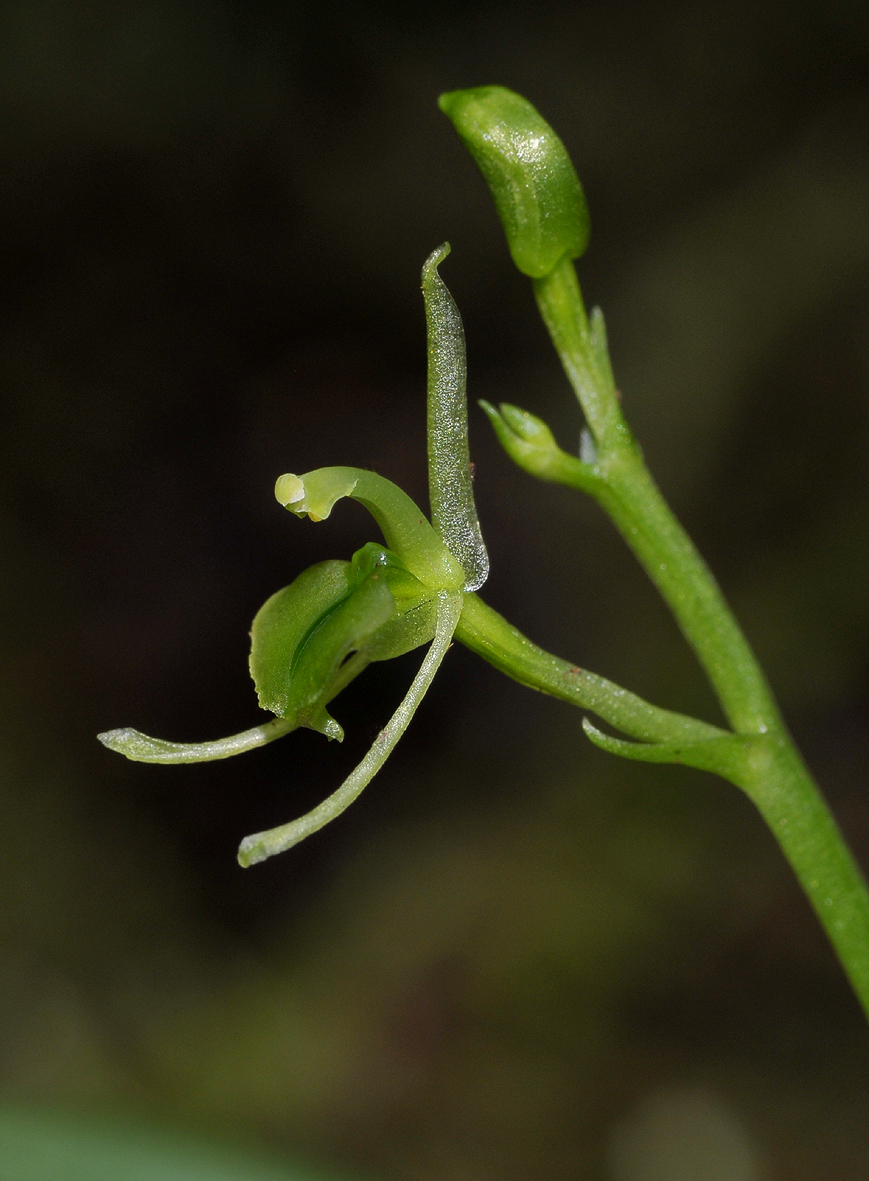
column 536, row 190
column 527, row 439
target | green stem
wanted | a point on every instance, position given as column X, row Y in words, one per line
column 773, row 774
column 488, row 634
column 624, row 488
column 633, row 500
column 787, row 797
column 560, row 303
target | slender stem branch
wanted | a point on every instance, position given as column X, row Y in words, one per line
column 489, row 634
column 560, row 303
column 626, row 491
column 773, row 773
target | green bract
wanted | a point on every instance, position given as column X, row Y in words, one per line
column 537, row 193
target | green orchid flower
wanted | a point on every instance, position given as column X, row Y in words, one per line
column 314, row 636
column 309, row 640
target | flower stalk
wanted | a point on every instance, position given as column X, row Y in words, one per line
column 759, row 754
column 314, row 636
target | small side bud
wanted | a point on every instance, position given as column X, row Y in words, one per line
column 535, row 187
column 531, row 445
column 527, row 439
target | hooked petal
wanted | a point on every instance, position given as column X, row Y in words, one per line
column 407, row 532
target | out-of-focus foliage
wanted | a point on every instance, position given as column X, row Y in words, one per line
column 512, row 959
column 51, row 1146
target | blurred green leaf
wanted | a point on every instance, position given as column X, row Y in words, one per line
column 48, row 1146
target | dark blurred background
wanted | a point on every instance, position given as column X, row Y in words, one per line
column 515, row 957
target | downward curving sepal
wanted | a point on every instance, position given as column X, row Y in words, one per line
column 261, row 845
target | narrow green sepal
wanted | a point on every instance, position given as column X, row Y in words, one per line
column 143, row 749
column 531, row 177
column 729, row 756
column 261, row 845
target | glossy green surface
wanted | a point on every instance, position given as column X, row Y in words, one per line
column 529, row 173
